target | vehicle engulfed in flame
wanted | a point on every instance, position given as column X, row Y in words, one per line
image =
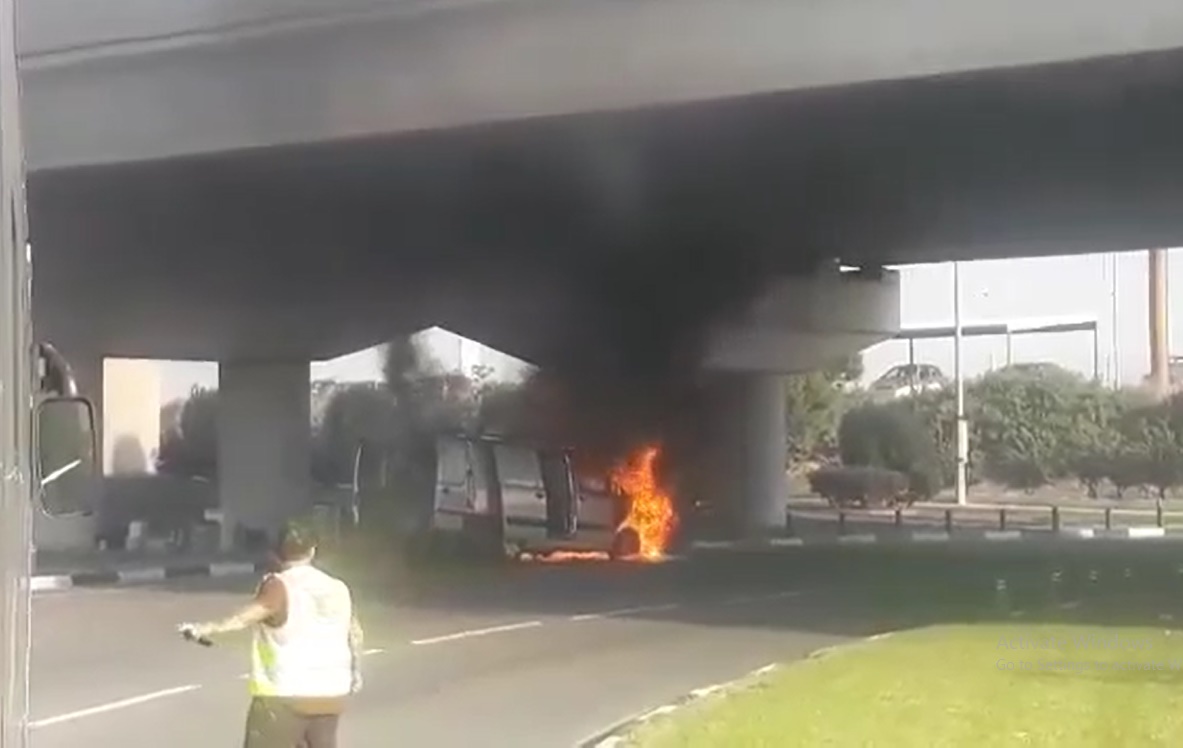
column 513, row 494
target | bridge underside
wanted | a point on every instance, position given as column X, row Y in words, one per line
column 519, row 231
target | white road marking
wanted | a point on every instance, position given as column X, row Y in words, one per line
column 624, row 612
column 476, row 632
column 165, row 693
column 112, row 706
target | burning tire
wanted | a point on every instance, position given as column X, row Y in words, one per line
column 626, row 543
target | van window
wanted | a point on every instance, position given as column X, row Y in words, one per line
column 453, row 456
column 518, row 467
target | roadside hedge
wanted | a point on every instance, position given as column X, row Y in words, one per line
column 866, row 487
column 1028, row 427
column 895, row 438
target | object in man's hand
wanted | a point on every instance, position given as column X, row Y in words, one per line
column 192, row 632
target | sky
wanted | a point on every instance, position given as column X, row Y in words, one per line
column 179, row 377
column 1079, row 287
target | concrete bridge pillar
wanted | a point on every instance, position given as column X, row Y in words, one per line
column 798, row 324
column 264, row 446
column 747, row 444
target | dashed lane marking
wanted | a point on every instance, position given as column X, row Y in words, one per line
column 476, row 632
column 748, row 599
column 624, row 612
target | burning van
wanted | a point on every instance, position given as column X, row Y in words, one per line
column 497, row 492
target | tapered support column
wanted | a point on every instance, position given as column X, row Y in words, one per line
column 746, row 472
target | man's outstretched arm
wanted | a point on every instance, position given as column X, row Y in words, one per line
column 357, row 643
column 268, row 602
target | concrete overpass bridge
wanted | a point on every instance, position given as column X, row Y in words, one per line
column 265, row 183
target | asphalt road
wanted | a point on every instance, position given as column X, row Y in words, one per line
column 544, row 658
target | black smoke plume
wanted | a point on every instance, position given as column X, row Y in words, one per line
column 633, row 377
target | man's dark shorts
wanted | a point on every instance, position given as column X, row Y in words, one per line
column 276, row 723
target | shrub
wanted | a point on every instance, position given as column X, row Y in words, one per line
column 1124, row 469
column 1153, row 449
column 1023, row 419
column 892, row 436
column 860, row 486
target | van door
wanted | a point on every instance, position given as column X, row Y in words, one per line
column 561, row 509
column 454, row 494
column 369, row 479
column 599, row 506
column 523, row 493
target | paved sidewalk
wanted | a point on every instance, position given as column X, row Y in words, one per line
column 60, row 570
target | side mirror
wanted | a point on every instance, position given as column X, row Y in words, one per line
column 66, row 456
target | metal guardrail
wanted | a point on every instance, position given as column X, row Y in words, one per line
column 1005, row 515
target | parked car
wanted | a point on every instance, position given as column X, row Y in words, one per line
column 908, row 379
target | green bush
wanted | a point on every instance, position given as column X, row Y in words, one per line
column 937, row 410
column 1029, row 426
column 1022, row 420
column 1151, row 448
column 894, row 437
column 860, row 486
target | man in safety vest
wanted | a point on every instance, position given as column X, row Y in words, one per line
column 304, row 658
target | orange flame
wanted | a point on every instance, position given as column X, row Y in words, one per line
column 566, row 557
column 651, row 510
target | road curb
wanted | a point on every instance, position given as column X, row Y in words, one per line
column 72, row 580
column 617, row 734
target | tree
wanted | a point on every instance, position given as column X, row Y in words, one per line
column 892, row 436
column 937, row 410
column 353, row 414
column 847, row 369
column 1155, row 449
column 190, row 449
column 1022, row 420
column 1095, row 448
column 428, row 399
column 813, row 408
column 502, row 409
column 814, row 404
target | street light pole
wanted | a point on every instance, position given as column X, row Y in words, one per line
column 958, row 375
column 1115, row 331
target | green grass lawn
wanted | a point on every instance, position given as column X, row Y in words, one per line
column 949, row 686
